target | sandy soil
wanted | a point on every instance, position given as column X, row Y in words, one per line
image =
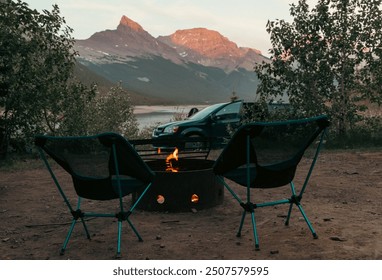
column 343, row 203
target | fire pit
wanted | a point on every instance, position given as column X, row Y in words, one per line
column 182, row 184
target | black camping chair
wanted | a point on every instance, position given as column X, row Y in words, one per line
column 102, row 167
column 266, row 155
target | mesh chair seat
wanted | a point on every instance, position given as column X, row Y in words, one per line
column 267, row 155
column 270, row 176
column 102, row 167
column 106, row 188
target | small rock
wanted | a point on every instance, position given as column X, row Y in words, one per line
column 5, row 239
column 274, row 252
column 351, row 172
column 193, row 210
column 162, row 246
column 337, row 238
column 158, row 237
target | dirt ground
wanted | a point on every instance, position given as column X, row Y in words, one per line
column 343, row 202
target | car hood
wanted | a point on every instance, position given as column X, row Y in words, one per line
column 184, row 122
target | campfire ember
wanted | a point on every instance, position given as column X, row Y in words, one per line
column 194, row 198
column 160, row 199
column 169, row 161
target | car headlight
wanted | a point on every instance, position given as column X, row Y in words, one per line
column 171, row 129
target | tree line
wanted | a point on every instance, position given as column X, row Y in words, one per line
column 328, row 61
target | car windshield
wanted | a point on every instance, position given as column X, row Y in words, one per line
column 205, row 112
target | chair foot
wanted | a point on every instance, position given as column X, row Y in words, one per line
column 257, row 247
column 315, row 236
column 62, row 252
column 140, row 239
column 118, row 255
column 238, row 234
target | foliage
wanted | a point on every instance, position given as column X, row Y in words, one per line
column 113, row 111
column 38, row 93
column 73, row 115
column 84, row 111
column 178, row 116
column 36, row 60
column 328, row 60
column 146, row 132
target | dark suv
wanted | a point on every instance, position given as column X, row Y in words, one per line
column 213, row 122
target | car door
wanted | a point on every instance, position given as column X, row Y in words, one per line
column 226, row 118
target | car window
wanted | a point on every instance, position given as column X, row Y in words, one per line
column 205, row 112
column 230, row 111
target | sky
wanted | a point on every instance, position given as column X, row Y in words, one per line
column 241, row 21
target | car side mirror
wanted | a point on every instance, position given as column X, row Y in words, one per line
column 214, row 118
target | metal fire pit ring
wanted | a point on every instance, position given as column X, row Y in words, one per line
column 194, row 186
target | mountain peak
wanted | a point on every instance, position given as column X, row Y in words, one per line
column 204, row 41
column 127, row 22
column 206, row 65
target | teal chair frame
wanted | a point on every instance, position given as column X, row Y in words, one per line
column 241, row 166
column 116, row 185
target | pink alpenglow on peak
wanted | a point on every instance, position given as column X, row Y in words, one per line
column 125, row 21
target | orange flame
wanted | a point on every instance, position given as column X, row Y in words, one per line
column 169, row 159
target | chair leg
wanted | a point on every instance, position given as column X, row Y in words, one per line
column 254, row 228
column 124, row 217
column 119, row 239
column 86, row 228
column 238, row 234
column 315, row 236
column 68, row 237
column 135, row 230
column 289, row 213
column 257, row 246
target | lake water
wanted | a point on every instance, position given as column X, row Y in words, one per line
column 158, row 114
